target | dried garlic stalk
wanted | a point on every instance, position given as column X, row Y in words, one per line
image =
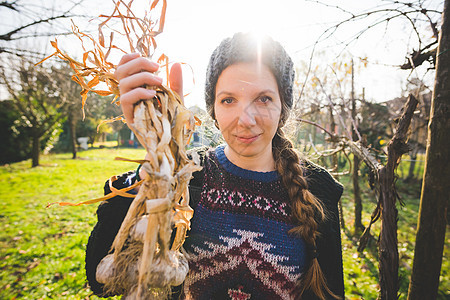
column 142, row 264
column 163, row 126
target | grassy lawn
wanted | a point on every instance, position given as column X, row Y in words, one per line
column 42, row 250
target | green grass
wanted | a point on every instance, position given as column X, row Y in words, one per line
column 42, row 250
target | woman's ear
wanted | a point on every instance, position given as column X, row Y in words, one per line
column 281, row 121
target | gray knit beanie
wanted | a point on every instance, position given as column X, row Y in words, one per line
column 243, row 47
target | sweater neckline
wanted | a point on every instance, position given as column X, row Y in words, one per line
column 244, row 173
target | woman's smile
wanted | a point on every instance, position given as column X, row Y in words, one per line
column 248, row 139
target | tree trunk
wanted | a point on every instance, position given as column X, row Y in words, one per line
column 359, row 227
column 118, row 139
column 73, row 133
column 35, row 150
column 334, row 158
column 435, row 188
column 355, row 176
column 388, row 249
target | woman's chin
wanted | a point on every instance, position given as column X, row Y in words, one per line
column 247, row 150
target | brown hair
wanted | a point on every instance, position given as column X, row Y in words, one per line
column 306, row 209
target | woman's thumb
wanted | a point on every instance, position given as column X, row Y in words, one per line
column 176, row 79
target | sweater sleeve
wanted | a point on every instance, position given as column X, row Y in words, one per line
column 329, row 191
column 110, row 215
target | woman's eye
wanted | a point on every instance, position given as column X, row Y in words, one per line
column 227, row 101
column 265, row 99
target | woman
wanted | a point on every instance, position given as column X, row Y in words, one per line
column 266, row 223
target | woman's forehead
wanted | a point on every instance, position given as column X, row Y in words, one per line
column 246, row 76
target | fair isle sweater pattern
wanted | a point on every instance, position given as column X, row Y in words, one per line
column 239, row 242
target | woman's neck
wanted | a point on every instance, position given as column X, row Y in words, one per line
column 263, row 162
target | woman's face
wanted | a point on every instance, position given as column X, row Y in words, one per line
column 247, row 108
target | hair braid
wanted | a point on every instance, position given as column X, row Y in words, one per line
column 306, row 209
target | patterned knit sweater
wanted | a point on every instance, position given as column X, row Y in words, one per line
column 239, row 243
column 239, row 239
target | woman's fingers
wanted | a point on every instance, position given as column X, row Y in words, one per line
column 132, row 89
column 127, row 57
column 129, row 99
column 138, row 80
column 134, row 73
column 134, row 63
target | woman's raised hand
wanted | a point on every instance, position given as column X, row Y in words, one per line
column 134, row 73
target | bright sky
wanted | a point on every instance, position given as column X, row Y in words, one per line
column 195, row 27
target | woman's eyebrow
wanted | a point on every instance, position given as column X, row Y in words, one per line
column 267, row 91
column 224, row 93
column 259, row 93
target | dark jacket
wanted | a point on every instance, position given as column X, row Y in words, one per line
column 112, row 212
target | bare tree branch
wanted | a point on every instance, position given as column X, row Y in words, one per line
column 9, row 35
column 400, row 10
column 37, row 17
column 317, row 125
column 10, row 5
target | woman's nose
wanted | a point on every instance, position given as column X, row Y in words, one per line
column 247, row 116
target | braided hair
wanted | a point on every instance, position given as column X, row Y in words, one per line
column 306, row 208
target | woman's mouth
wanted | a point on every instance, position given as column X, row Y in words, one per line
column 247, row 139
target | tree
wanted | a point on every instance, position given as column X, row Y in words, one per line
column 39, row 98
column 69, row 93
column 416, row 14
column 435, row 188
column 334, row 86
column 15, row 145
